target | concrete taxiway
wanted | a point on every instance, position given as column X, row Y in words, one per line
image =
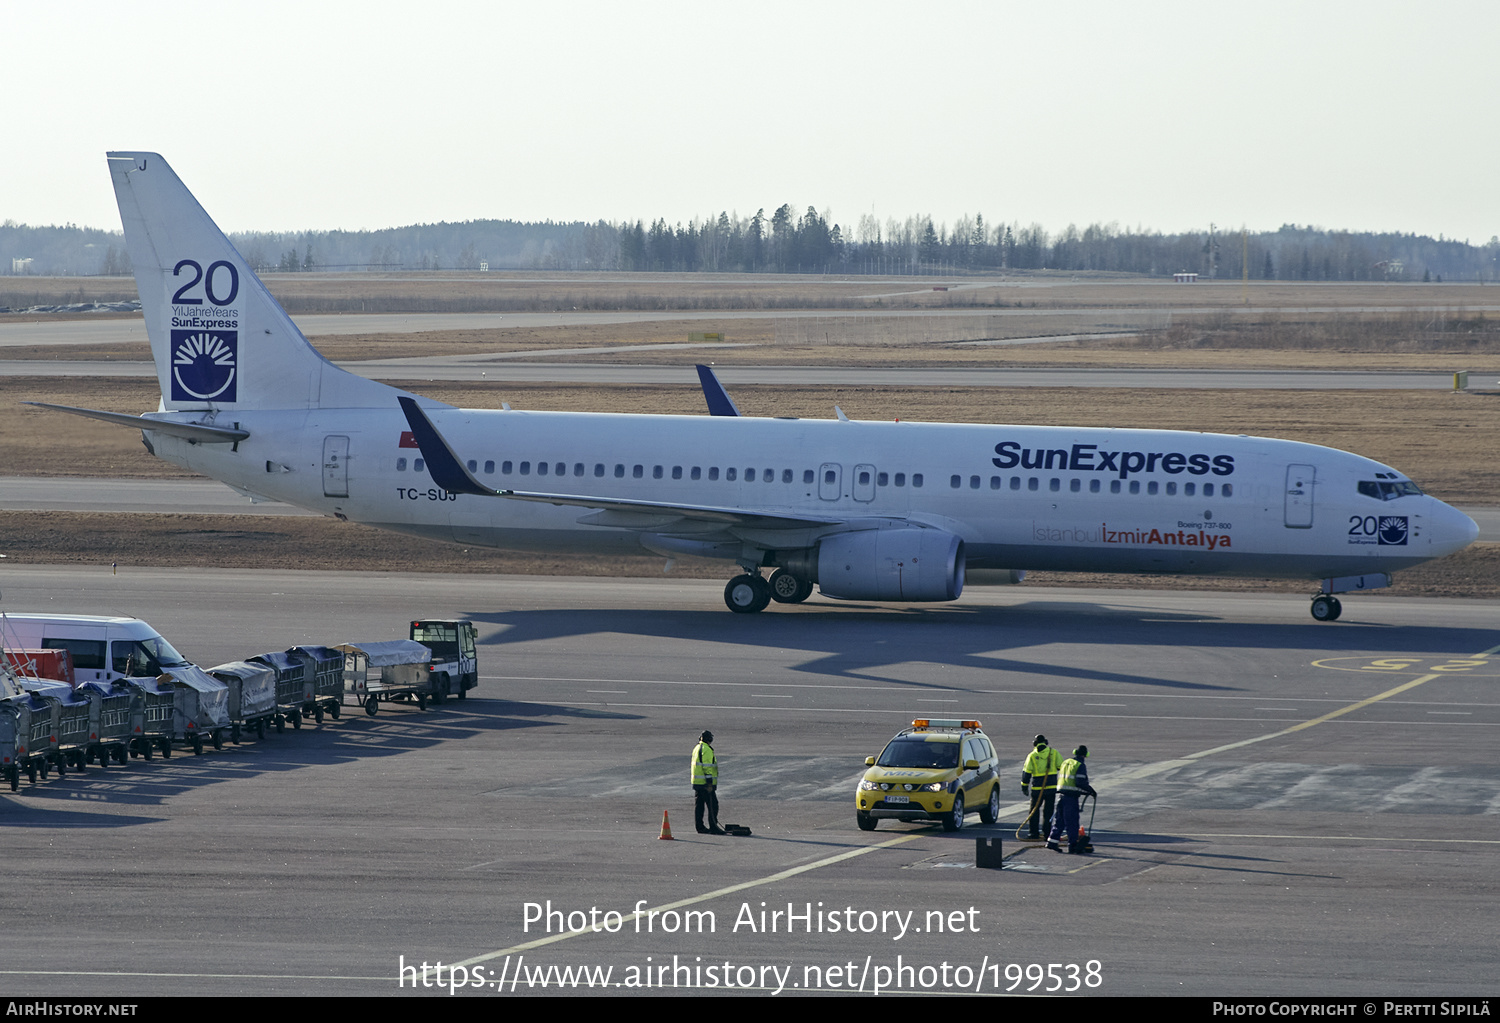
column 1285, row 807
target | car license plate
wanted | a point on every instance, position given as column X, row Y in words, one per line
column 897, row 799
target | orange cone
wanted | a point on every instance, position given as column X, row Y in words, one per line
column 666, row 828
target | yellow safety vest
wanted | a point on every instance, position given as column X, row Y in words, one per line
column 1040, row 769
column 705, row 767
column 1070, row 776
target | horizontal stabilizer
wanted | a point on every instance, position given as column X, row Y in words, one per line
column 198, row 432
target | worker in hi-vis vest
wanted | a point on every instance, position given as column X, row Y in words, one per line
column 1039, row 781
column 1073, row 781
column 706, row 785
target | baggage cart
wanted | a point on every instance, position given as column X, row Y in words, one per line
column 325, row 671
column 293, row 687
column 200, row 712
column 151, row 717
column 385, row 671
column 252, row 697
column 109, row 718
column 70, row 737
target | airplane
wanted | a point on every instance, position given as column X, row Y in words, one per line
column 863, row 510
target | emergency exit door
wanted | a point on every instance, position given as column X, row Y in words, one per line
column 1299, row 496
column 335, row 466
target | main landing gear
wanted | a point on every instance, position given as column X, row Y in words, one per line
column 1326, row 608
column 749, row 593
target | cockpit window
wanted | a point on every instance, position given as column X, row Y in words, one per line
column 1383, row 491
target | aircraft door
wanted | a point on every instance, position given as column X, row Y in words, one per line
column 864, row 483
column 335, row 466
column 830, row 481
column 1299, row 496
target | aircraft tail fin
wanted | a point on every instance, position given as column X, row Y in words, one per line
column 218, row 337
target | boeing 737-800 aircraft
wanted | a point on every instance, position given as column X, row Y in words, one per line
column 881, row 511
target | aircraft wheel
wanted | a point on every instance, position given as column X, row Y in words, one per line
column 954, row 819
column 991, row 811
column 747, row 594
column 789, row 589
column 1326, row 609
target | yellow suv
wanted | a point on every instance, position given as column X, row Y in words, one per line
column 938, row 769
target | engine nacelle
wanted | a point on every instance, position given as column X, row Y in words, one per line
column 892, row 564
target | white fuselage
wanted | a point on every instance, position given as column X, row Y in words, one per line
column 1020, row 497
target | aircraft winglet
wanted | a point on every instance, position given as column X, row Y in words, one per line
column 719, row 401
column 445, row 468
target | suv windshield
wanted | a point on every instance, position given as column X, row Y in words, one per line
column 919, row 753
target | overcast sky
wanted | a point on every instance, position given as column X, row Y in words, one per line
column 1363, row 115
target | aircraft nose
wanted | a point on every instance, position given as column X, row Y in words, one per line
column 1453, row 530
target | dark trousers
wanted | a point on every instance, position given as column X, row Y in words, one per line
column 707, row 798
column 1041, row 811
column 1066, row 822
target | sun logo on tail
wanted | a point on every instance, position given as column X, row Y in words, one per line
column 204, row 365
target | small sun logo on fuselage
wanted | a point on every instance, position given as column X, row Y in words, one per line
column 1393, row 530
column 204, row 365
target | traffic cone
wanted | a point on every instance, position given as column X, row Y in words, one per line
column 666, row 828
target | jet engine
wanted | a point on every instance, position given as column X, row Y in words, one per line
column 892, row 564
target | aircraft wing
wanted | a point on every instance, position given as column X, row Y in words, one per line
column 202, row 433
column 449, row 472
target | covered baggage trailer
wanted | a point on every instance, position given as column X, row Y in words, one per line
column 252, row 696
column 151, row 717
column 110, row 715
column 9, row 732
column 325, row 671
column 33, row 734
column 394, row 669
column 200, row 712
column 71, row 739
column 293, row 686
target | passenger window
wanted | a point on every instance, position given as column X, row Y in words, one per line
column 1075, row 485
column 768, row 475
column 830, row 477
column 807, row 476
column 786, row 476
column 1227, row 490
column 1171, row 488
column 1135, row 486
column 489, row 466
column 973, row 482
column 541, row 468
column 900, row 479
column 505, row 468
column 577, row 469
column 749, row 475
column 1208, row 490
column 729, row 474
column 697, row 472
column 598, row 468
column 1033, row 483
column 619, row 471
column 561, row 469
column 417, row 465
column 954, row 481
column 713, row 472
column 916, row 479
column 994, row 482
column 1189, row 489
column 1093, row 486
column 656, row 472
column 1054, row 484
column 1151, row 487
column 400, row 465
column 1114, row 486
column 677, row 472
column 638, row 472
column 1015, row 483
column 525, row 468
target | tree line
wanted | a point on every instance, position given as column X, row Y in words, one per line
column 787, row 241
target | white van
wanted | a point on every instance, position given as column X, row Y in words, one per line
column 103, row 649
